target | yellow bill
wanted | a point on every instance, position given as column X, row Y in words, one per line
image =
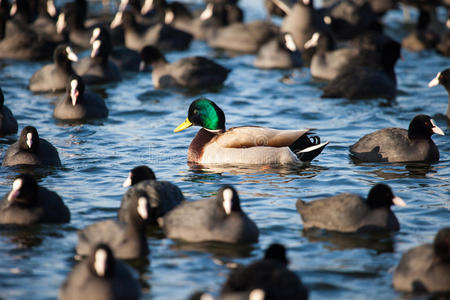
column 183, row 126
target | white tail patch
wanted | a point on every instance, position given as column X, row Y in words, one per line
column 95, row 46
column 436, row 129
column 17, row 184
column 71, row 55
column 95, row 34
column 51, row 9
column 148, row 6
column 100, row 262
column 435, row 80
column 169, row 16
column 289, row 42
column 398, row 201
column 117, row 20
column 227, row 196
column 257, row 294
column 29, row 139
column 127, row 181
column 312, row 42
column 142, row 208
column 207, row 13
column 61, row 23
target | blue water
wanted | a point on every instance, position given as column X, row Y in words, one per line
column 97, row 157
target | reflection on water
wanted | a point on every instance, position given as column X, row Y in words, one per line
column 23, row 236
column 398, row 170
column 217, row 249
column 378, row 241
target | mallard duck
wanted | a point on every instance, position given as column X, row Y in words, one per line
column 213, row 144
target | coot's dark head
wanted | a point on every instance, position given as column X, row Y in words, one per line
column 75, row 89
column 423, row 127
column 24, row 190
column 442, row 244
column 381, row 195
column 29, row 139
column 151, row 55
column 228, row 199
column 139, row 174
column 276, row 252
column 442, row 78
column 390, row 52
column 101, row 261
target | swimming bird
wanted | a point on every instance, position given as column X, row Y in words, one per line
column 31, row 150
column 213, row 144
column 269, row 276
column 101, row 277
column 29, row 203
column 350, row 213
column 425, row 268
column 278, row 53
column 188, row 72
column 163, row 195
column 443, row 78
column 78, row 104
column 400, row 145
column 8, row 123
column 54, row 77
column 218, row 219
column 97, row 68
column 126, row 240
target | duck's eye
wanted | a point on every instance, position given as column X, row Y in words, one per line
column 195, row 111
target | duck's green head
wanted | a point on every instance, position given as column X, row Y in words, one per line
column 205, row 113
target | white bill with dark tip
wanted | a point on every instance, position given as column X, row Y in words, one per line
column 435, row 80
column 398, row 201
column 100, row 262
column 227, row 200
column 436, row 129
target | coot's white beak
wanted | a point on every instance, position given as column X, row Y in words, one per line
column 51, row 9
column 207, row 13
column 312, row 42
column 29, row 139
column 169, row 16
column 117, row 20
column 61, row 23
column 17, row 184
column 95, row 47
column 227, row 200
column 127, row 181
column 142, row 208
column 436, row 129
column 148, row 6
column 95, row 34
column 74, row 93
column 71, row 55
column 398, row 201
column 100, row 262
column 289, row 42
column 435, row 81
